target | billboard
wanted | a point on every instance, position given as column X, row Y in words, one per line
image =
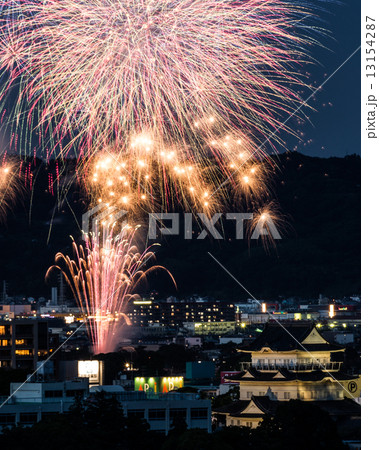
column 90, row 369
column 157, row 385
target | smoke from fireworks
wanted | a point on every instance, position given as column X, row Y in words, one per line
column 104, row 275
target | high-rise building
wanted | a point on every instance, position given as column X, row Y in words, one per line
column 23, row 342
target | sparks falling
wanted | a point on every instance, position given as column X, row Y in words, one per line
column 150, row 175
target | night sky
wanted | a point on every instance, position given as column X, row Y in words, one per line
column 334, row 127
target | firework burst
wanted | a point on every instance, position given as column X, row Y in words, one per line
column 267, row 224
column 104, row 275
column 151, row 175
column 93, row 73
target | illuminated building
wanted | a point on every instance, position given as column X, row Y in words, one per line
column 11, row 310
column 291, row 362
column 143, row 313
column 204, row 328
column 23, row 342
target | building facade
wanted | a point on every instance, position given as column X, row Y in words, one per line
column 143, row 313
column 288, row 363
column 33, row 401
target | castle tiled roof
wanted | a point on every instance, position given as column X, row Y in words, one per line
column 287, row 375
column 233, row 408
column 337, row 408
column 281, row 338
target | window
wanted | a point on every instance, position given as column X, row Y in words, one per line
column 7, row 419
column 75, row 393
column 176, row 413
column 287, row 395
column 232, row 422
column 157, row 414
column 261, row 394
column 53, row 394
column 4, row 343
column 24, row 330
column 48, row 415
column 20, row 342
column 28, row 418
column 199, row 413
column 2, row 329
column 23, row 352
column 137, row 413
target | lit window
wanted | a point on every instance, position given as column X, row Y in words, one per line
column 23, row 352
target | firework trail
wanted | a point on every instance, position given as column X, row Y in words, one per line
column 10, row 187
column 104, row 275
column 91, row 74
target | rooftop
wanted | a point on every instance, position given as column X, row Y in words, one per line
column 294, row 336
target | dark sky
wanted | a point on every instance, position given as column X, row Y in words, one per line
column 335, row 125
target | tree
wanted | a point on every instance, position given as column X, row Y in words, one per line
column 297, row 425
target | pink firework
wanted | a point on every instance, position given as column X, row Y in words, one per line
column 93, row 73
column 104, row 276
